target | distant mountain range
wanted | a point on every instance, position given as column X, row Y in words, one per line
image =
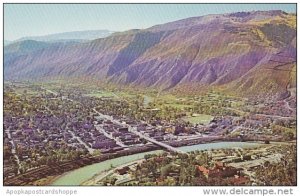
column 246, row 52
column 26, row 46
column 6, row 42
column 73, row 36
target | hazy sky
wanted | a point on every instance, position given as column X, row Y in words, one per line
column 40, row 19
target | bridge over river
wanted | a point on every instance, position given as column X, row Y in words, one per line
column 141, row 135
column 166, row 146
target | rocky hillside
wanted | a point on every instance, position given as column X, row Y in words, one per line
column 248, row 52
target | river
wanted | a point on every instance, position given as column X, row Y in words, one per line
column 77, row 176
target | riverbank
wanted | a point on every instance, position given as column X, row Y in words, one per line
column 46, row 181
column 81, row 175
column 60, row 170
column 100, row 176
column 78, row 176
column 98, row 179
column 41, row 174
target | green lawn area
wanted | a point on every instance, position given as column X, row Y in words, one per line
column 101, row 94
column 202, row 118
column 172, row 101
column 125, row 94
column 27, row 90
column 237, row 103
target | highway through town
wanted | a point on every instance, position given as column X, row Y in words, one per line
column 130, row 129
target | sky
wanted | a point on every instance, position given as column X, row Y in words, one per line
column 22, row 20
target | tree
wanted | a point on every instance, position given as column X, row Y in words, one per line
column 164, row 171
column 96, row 152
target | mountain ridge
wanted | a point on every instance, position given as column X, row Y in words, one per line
column 70, row 36
column 229, row 50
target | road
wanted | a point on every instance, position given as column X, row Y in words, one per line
column 50, row 91
column 240, row 127
column 14, row 150
column 99, row 128
column 49, row 110
column 287, row 105
column 292, row 94
column 275, row 116
column 91, row 150
column 264, row 115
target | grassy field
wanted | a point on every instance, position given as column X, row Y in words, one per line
column 173, row 101
column 101, row 94
column 22, row 90
column 201, row 118
column 237, row 104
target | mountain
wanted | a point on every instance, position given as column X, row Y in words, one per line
column 75, row 36
column 25, row 46
column 245, row 52
column 6, row 42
